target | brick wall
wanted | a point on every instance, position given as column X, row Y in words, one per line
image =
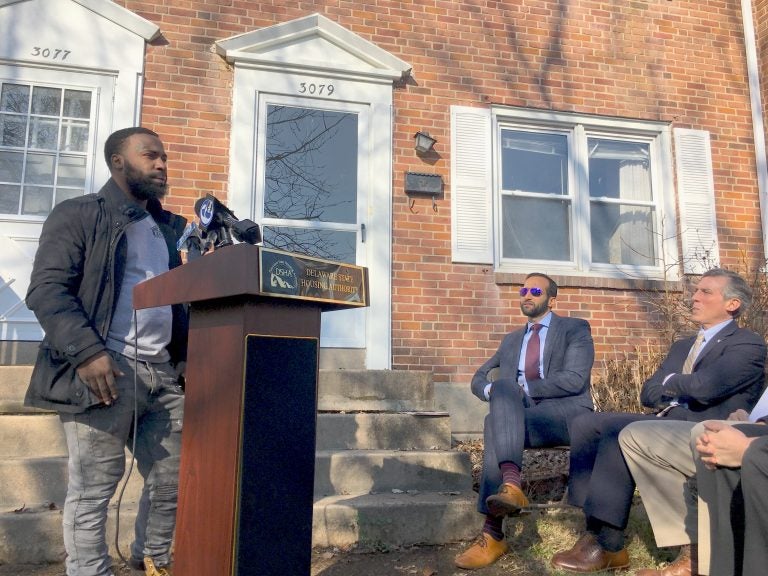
column 676, row 61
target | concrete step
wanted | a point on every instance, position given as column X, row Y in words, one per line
column 40, row 481
column 41, row 435
column 13, row 386
column 375, row 390
column 385, row 474
column 384, row 431
column 378, row 471
column 338, row 390
column 33, row 536
column 389, row 520
column 31, row 435
column 35, row 481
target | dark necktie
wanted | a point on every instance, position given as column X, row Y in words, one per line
column 532, row 354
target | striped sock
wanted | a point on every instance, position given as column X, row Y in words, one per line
column 494, row 527
column 510, row 473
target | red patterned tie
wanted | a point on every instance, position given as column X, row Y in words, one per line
column 532, row 354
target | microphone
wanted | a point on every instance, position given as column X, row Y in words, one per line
column 219, row 221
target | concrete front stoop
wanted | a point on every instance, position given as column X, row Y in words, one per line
column 385, row 474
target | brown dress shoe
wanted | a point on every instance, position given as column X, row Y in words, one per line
column 586, row 539
column 484, row 552
column 507, row 501
column 682, row 566
column 588, row 556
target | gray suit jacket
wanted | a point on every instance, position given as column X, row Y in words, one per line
column 568, row 356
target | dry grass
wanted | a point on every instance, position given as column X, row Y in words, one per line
column 616, row 387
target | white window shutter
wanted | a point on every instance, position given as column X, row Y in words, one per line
column 471, row 185
column 696, row 195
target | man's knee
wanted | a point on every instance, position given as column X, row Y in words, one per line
column 628, row 440
column 586, row 424
column 696, row 431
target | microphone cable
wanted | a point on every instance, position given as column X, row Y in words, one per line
column 135, row 432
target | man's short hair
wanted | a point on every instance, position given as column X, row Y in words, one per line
column 551, row 287
column 736, row 288
column 116, row 140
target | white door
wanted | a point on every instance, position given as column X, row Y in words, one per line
column 48, row 135
column 312, row 186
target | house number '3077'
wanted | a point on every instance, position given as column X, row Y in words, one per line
column 312, row 88
column 52, row 53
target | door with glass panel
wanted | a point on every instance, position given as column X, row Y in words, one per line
column 47, row 135
column 312, row 190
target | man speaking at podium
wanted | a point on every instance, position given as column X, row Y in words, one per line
column 113, row 375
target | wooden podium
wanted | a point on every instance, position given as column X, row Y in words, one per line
column 248, row 441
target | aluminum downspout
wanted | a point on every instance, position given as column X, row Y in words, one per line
column 758, row 130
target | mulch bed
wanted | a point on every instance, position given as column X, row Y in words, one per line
column 544, row 474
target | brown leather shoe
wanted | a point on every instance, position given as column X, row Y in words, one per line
column 587, row 556
column 586, row 539
column 484, row 552
column 507, row 501
column 682, row 566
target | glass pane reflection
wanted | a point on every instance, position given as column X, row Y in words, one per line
column 311, row 165
column 9, row 199
column 37, row 201
column 14, row 98
column 71, row 171
column 39, row 169
column 46, row 101
column 13, row 130
column 77, row 104
column 44, row 133
column 11, row 164
column 327, row 244
column 536, row 229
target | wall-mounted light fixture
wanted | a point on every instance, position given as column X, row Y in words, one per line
column 423, row 142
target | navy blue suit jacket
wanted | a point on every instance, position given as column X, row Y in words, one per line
column 567, row 363
column 729, row 374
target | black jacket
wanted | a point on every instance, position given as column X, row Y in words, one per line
column 75, row 282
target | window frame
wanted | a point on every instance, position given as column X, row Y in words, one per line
column 101, row 88
column 578, row 128
column 56, row 153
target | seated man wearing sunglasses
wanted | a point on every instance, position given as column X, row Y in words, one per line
column 535, row 383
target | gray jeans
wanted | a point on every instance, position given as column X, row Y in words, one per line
column 96, row 440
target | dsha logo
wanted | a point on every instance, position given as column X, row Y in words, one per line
column 283, row 277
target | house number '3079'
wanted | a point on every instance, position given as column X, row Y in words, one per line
column 53, row 53
column 312, row 88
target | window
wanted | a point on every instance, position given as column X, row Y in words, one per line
column 566, row 193
column 44, row 142
column 580, row 194
column 311, row 181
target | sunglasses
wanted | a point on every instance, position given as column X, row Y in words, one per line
column 534, row 291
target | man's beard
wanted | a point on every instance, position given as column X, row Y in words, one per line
column 143, row 187
column 537, row 310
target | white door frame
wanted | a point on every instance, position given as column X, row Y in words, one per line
column 288, row 59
